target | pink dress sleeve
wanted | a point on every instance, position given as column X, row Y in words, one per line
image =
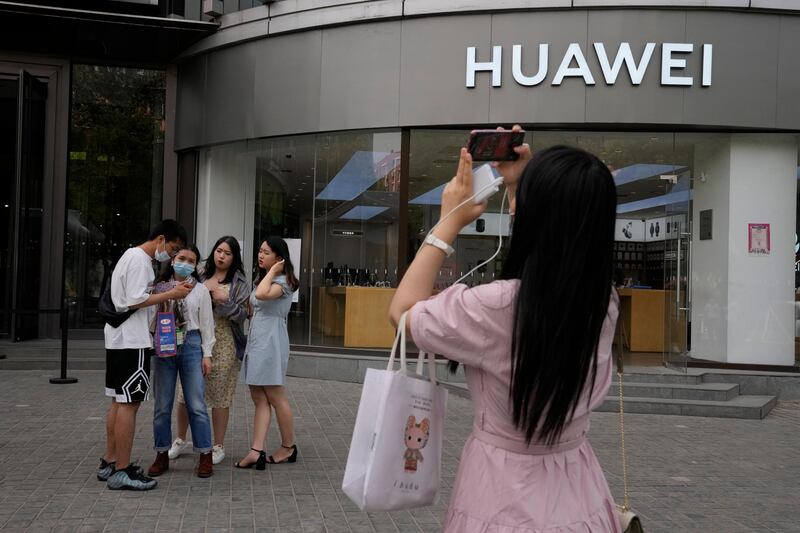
column 606, row 360
column 453, row 324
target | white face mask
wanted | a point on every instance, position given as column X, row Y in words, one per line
column 182, row 270
column 161, row 255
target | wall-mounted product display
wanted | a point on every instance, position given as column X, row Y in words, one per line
column 629, row 230
column 344, row 276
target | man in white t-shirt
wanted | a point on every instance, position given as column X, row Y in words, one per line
column 129, row 347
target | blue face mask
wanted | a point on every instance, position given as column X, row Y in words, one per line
column 183, row 270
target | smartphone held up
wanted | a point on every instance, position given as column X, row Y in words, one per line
column 494, row 145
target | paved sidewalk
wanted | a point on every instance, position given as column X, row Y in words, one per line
column 688, row 473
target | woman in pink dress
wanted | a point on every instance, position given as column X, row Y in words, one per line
column 536, row 345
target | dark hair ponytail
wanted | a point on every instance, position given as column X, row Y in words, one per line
column 561, row 251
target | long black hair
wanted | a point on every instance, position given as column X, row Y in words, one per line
column 167, row 271
column 281, row 249
column 236, row 266
column 562, row 253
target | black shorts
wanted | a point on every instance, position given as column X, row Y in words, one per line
column 128, row 374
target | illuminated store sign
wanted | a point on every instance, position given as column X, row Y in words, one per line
column 674, row 59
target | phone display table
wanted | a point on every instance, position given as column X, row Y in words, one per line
column 642, row 311
column 360, row 314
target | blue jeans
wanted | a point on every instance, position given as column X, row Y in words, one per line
column 187, row 364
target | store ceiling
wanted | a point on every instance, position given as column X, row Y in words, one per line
column 638, row 160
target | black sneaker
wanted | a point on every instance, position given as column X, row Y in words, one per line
column 105, row 469
column 131, row 478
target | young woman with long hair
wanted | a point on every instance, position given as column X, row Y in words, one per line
column 195, row 321
column 536, row 345
column 223, row 276
column 267, row 355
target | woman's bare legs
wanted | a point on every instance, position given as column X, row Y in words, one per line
column 219, row 419
column 261, row 420
column 277, row 397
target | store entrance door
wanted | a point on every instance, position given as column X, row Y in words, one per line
column 23, row 112
column 677, row 278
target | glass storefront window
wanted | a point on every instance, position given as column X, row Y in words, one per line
column 356, row 230
column 284, row 207
column 342, row 197
column 115, row 171
column 335, row 198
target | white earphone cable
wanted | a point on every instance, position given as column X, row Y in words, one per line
column 499, row 227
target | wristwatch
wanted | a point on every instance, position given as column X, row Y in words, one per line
column 436, row 242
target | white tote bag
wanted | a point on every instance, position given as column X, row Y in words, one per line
column 396, row 453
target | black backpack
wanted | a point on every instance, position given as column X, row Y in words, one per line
column 107, row 310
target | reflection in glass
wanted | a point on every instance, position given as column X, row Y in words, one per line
column 115, row 172
column 284, row 187
column 356, row 225
column 336, row 196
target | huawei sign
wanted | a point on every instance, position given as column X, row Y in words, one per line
column 573, row 64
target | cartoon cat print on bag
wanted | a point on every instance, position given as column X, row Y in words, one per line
column 416, row 437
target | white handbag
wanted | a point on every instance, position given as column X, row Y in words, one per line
column 396, row 452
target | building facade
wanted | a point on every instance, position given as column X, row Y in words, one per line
column 87, row 99
column 335, row 125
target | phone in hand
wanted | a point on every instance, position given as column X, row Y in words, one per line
column 494, row 145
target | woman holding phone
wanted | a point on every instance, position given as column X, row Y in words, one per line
column 195, row 337
column 267, row 355
column 535, row 345
column 223, row 276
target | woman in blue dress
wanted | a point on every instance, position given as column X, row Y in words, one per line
column 267, row 354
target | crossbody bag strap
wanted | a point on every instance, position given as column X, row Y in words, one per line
column 620, row 370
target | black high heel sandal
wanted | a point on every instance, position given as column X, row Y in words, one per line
column 260, row 464
column 291, row 459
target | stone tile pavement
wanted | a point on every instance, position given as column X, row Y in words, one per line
column 688, row 474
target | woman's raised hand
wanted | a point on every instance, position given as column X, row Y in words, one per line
column 277, row 268
column 456, row 192
column 512, row 170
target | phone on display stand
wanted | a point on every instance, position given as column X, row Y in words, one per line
column 494, row 145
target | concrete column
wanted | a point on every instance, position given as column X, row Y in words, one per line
column 743, row 304
column 761, row 288
column 226, row 198
column 709, row 267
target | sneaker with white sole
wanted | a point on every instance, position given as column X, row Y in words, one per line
column 178, row 447
column 217, row 454
column 105, row 470
column 130, row 478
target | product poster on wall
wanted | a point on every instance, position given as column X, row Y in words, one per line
column 630, row 230
column 758, row 239
column 655, row 229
